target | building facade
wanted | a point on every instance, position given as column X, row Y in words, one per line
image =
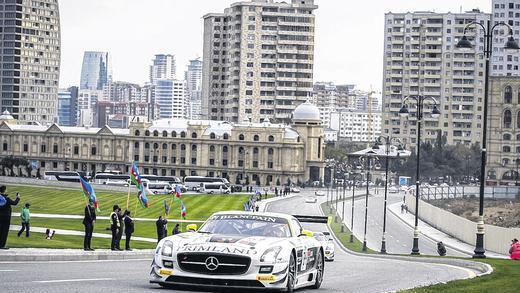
column 421, row 59
column 68, row 106
column 163, row 67
column 194, row 89
column 170, row 95
column 261, row 153
column 504, row 63
column 503, row 156
column 30, row 59
column 96, row 71
column 356, row 125
column 258, row 59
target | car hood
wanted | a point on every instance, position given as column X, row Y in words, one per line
column 228, row 244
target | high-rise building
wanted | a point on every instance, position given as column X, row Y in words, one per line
column 96, row 71
column 67, row 106
column 420, row 59
column 193, row 78
column 30, row 59
column 330, row 95
column 258, row 59
column 505, row 62
column 163, row 67
column 356, row 125
column 86, row 107
column 170, row 95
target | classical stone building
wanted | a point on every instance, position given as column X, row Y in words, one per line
column 503, row 159
column 258, row 153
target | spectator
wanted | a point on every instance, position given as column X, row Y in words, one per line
column 114, row 227
column 514, row 251
column 161, row 228
column 25, row 215
column 89, row 220
column 121, row 228
column 441, row 249
column 129, row 229
column 176, row 229
column 5, row 215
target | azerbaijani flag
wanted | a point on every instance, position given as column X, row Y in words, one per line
column 136, row 179
column 183, row 210
column 178, row 191
column 89, row 192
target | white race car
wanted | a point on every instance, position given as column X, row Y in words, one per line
column 328, row 244
column 242, row 250
column 311, row 199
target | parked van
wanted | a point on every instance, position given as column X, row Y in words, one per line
column 215, row 188
column 158, row 187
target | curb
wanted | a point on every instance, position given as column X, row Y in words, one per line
column 482, row 268
column 76, row 255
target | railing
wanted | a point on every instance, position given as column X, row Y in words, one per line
column 450, row 192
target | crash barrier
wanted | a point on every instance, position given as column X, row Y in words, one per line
column 497, row 239
column 447, row 192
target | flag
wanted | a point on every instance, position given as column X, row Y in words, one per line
column 166, row 208
column 183, row 210
column 136, row 179
column 89, row 192
column 247, row 208
column 178, row 191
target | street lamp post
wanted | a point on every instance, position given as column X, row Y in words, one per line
column 366, row 160
column 343, row 209
column 420, row 101
column 352, row 218
column 464, row 43
column 388, row 145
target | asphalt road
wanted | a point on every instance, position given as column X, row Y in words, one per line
column 348, row 273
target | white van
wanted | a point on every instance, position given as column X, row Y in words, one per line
column 215, row 188
column 158, row 187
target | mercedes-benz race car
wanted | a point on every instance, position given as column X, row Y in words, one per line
column 327, row 244
column 242, row 250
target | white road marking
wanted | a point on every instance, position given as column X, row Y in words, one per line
column 74, row 280
column 9, row 270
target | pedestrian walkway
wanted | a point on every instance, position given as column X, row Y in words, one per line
column 79, row 233
column 436, row 235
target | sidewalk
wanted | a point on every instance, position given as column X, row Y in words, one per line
column 436, row 235
column 44, row 254
column 264, row 204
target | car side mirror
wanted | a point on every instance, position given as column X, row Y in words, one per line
column 191, row 227
column 306, row 233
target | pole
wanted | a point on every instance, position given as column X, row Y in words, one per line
column 364, row 249
column 336, row 205
column 479, row 251
column 352, row 217
column 383, row 240
column 343, row 211
column 415, row 248
column 128, row 195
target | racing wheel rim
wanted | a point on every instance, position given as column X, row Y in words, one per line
column 291, row 274
column 319, row 270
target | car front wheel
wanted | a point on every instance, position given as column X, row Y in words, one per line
column 320, row 267
column 291, row 275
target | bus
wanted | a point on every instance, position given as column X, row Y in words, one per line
column 193, row 182
column 111, row 179
column 68, row 176
column 156, row 178
column 215, row 188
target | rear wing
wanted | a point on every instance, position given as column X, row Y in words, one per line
column 312, row 219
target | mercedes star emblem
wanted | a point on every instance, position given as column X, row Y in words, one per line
column 212, row 263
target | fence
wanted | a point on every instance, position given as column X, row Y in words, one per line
column 495, row 192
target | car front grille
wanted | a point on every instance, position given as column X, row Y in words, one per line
column 213, row 264
column 214, row 282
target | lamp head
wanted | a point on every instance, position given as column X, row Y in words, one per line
column 511, row 43
column 436, row 112
column 464, row 43
column 404, row 111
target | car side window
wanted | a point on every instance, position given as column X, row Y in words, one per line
column 297, row 227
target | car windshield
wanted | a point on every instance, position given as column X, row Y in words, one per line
column 248, row 225
column 320, row 237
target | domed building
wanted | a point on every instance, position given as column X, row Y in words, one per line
column 246, row 153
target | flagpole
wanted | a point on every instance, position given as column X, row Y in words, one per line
column 128, row 195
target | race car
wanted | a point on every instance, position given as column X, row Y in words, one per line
column 327, row 243
column 242, row 250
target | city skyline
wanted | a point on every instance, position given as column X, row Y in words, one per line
column 133, row 44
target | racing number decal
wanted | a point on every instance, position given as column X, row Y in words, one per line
column 306, row 259
column 300, row 259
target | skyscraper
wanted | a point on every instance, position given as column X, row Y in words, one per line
column 170, row 95
column 67, row 106
column 96, row 71
column 421, row 59
column 163, row 67
column 30, row 59
column 503, row 62
column 258, row 60
column 194, row 87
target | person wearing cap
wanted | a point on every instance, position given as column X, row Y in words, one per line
column 5, row 214
column 114, row 226
column 89, row 220
column 25, row 215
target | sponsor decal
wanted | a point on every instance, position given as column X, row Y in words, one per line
column 225, row 239
column 165, row 272
column 216, row 249
column 269, row 278
column 250, row 217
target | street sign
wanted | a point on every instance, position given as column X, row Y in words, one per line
column 404, row 180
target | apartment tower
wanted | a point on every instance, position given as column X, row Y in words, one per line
column 258, row 60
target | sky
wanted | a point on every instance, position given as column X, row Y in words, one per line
column 348, row 39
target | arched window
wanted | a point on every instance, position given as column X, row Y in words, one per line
column 256, row 138
column 165, row 133
column 270, row 151
column 93, row 150
column 193, row 147
column 183, row 134
column 155, row 133
column 505, row 162
column 518, row 137
column 255, row 151
column 225, row 149
column 155, row 146
column 212, row 148
column 241, row 137
column 517, row 151
column 506, row 136
column 183, row 147
column 225, row 136
column 137, row 133
column 193, row 135
column 136, row 144
column 506, row 149
column 146, row 145
column 212, row 135
column 271, row 138
column 174, row 134
column 492, row 174
column 507, row 119
column 165, row 146
column 174, row 146
column 508, row 95
column 147, row 133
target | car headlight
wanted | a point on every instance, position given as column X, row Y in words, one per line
column 271, row 254
column 167, row 249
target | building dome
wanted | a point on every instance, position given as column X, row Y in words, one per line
column 306, row 112
column 6, row 116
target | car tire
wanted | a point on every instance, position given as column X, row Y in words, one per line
column 291, row 274
column 167, row 286
column 320, row 268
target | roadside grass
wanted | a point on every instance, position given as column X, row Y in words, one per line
column 504, row 279
column 343, row 237
column 48, row 200
column 37, row 240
